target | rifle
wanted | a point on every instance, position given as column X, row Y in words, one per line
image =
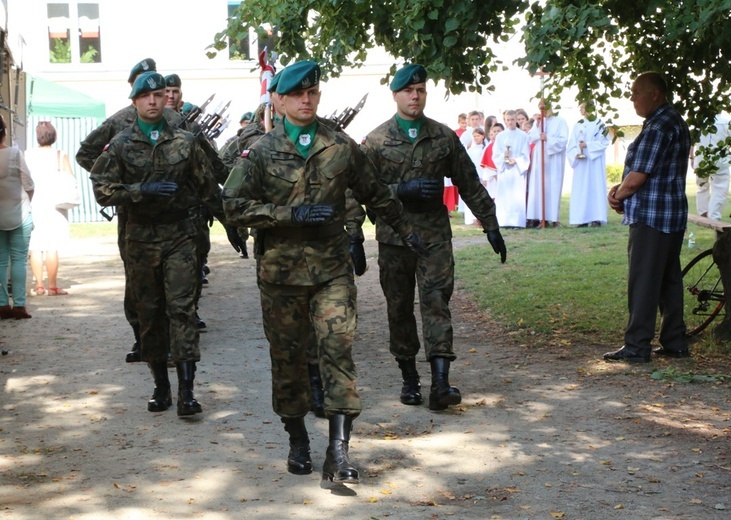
column 346, row 116
column 210, row 121
column 195, row 113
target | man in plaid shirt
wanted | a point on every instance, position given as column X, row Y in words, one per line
column 652, row 199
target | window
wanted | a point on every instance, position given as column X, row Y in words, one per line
column 90, row 41
column 59, row 32
column 250, row 48
column 65, row 19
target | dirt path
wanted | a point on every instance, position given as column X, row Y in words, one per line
column 541, row 433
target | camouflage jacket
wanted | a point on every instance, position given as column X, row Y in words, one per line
column 437, row 153
column 130, row 160
column 244, row 138
column 272, row 178
column 93, row 145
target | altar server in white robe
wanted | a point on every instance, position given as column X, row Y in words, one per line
column 511, row 156
column 586, row 154
column 550, row 139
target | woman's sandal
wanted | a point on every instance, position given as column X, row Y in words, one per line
column 40, row 291
column 56, row 291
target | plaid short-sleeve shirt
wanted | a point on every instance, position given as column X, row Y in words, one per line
column 660, row 151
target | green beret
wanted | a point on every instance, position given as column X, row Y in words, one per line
column 187, row 108
column 173, row 80
column 147, row 82
column 246, row 117
column 408, row 75
column 274, row 82
column 298, row 76
column 146, row 65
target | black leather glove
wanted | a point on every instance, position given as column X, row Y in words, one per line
column 357, row 254
column 158, row 189
column 312, row 214
column 420, row 189
column 414, row 242
column 207, row 215
column 498, row 244
column 234, row 238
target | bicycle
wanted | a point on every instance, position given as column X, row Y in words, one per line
column 704, row 298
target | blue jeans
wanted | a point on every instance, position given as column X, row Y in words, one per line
column 14, row 248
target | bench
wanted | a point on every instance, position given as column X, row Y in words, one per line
column 722, row 257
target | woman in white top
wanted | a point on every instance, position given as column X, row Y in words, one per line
column 16, row 223
column 51, row 231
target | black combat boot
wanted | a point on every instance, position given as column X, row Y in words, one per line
column 299, row 461
column 442, row 395
column 161, row 399
column 135, row 355
column 244, row 252
column 337, row 466
column 199, row 321
column 318, row 395
column 411, row 388
column 187, row 405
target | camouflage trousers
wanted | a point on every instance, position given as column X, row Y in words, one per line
column 400, row 272
column 163, row 277
column 130, row 313
column 290, row 314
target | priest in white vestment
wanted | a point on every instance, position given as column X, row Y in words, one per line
column 550, row 138
column 511, row 156
column 586, row 154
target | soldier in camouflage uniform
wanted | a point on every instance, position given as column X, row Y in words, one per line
column 412, row 155
column 159, row 174
column 291, row 187
column 174, row 101
column 90, row 150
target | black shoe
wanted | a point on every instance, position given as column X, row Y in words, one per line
column 411, row 385
column 134, row 356
column 161, row 398
column 299, row 461
column 337, row 466
column 204, row 280
column 442, row 394
column 199, row 322
column 627, row 356
column 206, row 269
column 187, row 404
column 662, row 351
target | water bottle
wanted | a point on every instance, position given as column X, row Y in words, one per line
column 691, row 240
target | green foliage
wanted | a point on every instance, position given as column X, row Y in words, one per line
column 594, row 45
column 591, row 45
column 451, row 39
column 675, row 375
column 90, row 55
column 61, row 52
column 614, row 173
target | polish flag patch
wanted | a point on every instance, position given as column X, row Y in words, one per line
column 245, row 154
column 106, row 147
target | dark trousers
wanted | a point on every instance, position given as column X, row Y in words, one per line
column 401, row 272
column 655, row 281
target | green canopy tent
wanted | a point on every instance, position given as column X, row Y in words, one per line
column 74, row 115
column 46, row 98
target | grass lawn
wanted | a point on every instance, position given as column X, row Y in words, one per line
column 563, row 286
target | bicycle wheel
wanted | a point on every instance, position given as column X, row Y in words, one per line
column 704, row 297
